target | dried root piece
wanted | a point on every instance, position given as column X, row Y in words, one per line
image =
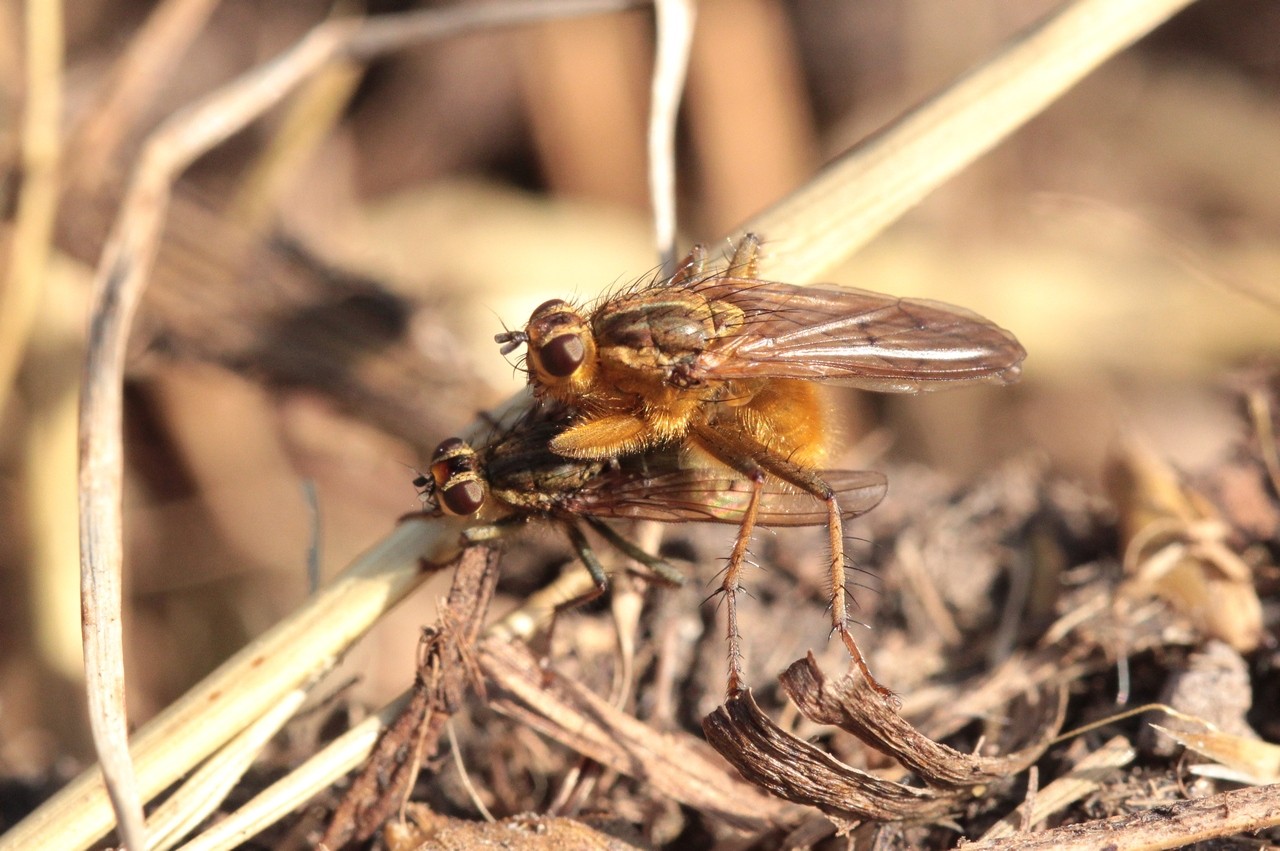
column 794, row 769
column 846, row 703
column 798, row 771
column 446, row 672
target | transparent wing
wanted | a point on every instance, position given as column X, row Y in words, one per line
column 718, row 496
column 854, row 337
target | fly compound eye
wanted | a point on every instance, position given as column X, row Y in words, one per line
column 448, row 447
column 555, row 305
column 561, row 356
column 451, row 457
column 455, row 473
column 462, row 497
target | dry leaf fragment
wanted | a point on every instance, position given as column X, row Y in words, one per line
column 1086, row 777
column 1175, row 547
column 1213, row 691
column 1245, row 760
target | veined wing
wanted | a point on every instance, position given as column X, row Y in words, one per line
column 717, row 496
column 854, row 337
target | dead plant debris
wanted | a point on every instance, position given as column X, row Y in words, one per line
column 951, row 758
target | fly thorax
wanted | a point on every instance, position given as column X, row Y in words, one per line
column 654, row 332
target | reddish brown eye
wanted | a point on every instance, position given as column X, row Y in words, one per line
column 459, row 487
column 462, row 498
column 554, row 305
column 447, row 446
column 561, row 356
column 446, row 470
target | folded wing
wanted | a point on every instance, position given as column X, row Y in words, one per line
column 854, row 337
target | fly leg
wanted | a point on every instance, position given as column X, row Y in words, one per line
column 600, row 584
column 745, row 261
column 662, row 570
column 691, row 267
column 586, row 555
column 811, row 482
column 731, row 585
column 734, row 445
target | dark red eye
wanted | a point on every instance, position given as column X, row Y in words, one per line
column 447, row 446
column 553, row 305
column 447, row 469
column 462, row 498
column 561, row 356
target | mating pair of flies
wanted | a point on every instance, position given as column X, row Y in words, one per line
column 697, row 398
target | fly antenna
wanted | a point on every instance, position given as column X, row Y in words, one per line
column 510, row 340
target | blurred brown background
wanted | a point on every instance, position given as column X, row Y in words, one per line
column 324, row 305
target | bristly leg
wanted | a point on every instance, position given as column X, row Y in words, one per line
column 732, row 585
column 586, row 555
column 742, row 451
column 691, row 267
column 839, row 600
column 662, row 570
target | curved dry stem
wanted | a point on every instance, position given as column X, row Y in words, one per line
column 146, row 65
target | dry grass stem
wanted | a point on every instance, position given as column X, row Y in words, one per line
column 872, row 185
column 339, row 757
column 201, row 794
column 38, row 200
column 1175, row 825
